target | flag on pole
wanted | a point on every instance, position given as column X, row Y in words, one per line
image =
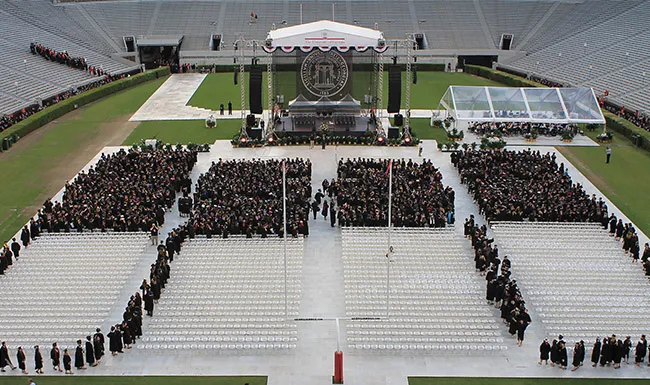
column 390, row 164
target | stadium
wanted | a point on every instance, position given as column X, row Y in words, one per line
column 315, row 192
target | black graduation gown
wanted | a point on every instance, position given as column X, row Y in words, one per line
column 98, row 345
column 20, row 356
column 126, row 335
column 55, row 356
column 616, row 353
column 555, row 354
column 38, row 360
column 544, row 350
column 113, row 338
column 595, row 353
column 576, row 357
column 639, row 351
column 67, row 361
column 564, row 358
column 79, row 357
column 90, row 353
column 4, row 357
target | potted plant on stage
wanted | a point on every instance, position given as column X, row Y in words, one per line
column 455, row 135
column 567, row 136
column 492, row 142
column 531, row 136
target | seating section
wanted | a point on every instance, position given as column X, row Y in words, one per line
column 576, row 278
column 436, row 300
column 64, row 286
column 592, row 55
column 229, row 294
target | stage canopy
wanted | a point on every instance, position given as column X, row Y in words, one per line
column 324, row 35
column 538, row 105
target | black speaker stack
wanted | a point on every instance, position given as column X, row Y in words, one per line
column 394, row 88
column 255, row 90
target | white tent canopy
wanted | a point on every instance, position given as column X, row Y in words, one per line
column 324, row 35
column 509, row 104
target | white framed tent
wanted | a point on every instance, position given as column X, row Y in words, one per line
column 511, row 104
column 324, row 35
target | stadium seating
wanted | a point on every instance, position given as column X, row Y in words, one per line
column 436, row 300
column 576, row 278
column 228, row 294
column 64, row 286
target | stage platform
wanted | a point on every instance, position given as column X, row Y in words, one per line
column 291, row 126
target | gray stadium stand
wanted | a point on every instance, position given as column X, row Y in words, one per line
column 549, row 36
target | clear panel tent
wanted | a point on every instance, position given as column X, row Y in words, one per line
column 538, row 105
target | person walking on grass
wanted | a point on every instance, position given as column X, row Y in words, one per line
column 608, row 153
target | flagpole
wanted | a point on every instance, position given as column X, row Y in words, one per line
column 390, row 208
column 284, row 216
column 300, row 13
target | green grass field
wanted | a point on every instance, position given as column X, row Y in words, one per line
column 625, row 181
column 25, row 170
column 140, row 380
column 219, row 88
column 183, row 131
column 519, row 381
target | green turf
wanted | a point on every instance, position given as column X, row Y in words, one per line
column 422, row 129
column 131, row 380
column 183, row 131
column 519, row 381
column 24, row 169
column 219, row 88
column 625, row 181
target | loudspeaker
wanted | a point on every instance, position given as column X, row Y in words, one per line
column 393, row 133
column 250, row 120
column 399, row 120
column 394, row 89
column 129, row 43
column 215, row 43
column 255, row 90
column 419, row 40
column 506, row 41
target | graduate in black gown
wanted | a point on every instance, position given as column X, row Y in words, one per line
column 544, row 351
column 640, row 350
column 79, row 357
column 564, row 358
column 55, row 356
column 38, row 360
column 627, row 345
column 113, row 337
column 555, row 353
column 90, row 352
column 67, row 362
column 595, row 353
column 98, row 344
column 576, row 357
column 21, row 358
column 4, row 358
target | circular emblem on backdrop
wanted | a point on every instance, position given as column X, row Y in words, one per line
column 324, row 73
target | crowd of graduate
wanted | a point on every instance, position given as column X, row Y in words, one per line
column 419, row 198
column 501, row 291
column 611, row 350
column 518, row 185
column 124, row 191
column 245, row 197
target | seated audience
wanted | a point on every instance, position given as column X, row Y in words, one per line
column 125, row 191
column 513, row 186
column 419, row 197
column 245, row 197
